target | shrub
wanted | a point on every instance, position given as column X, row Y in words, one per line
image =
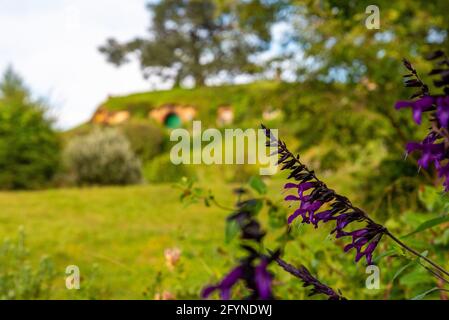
column 29, row 147
column 103, row 157
column 146, row 138
column 161, row 169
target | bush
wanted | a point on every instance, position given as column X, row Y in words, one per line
column 145, row 137
column 103, row 157
column 161, row 169
column 29, row 147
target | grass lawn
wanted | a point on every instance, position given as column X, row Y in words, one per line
column 117, row 237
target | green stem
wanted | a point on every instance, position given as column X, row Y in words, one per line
column 220, row 206
column 416, row 253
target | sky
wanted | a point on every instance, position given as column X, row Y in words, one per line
column 53, row 45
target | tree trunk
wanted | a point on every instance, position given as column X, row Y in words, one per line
column 196, row 54
column 199, row 80
column 177, row 83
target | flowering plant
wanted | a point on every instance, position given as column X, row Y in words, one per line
column 434, row 148
column 316, row 204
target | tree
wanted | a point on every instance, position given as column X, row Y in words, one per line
column 333, row 34
column 29, row 147
column 199, row 39
column 12, row 87
column 336, row 36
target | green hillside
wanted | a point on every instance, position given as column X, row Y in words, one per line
column 248, row 100
column 205, row 98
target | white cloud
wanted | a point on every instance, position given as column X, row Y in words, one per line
column 53, row 45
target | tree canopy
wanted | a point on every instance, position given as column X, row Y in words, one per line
column 334, row 35
column 198, row 39
column 29, row 147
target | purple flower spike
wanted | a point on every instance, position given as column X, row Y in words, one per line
column 370, row 249
column 310, row 281
column 434, row 148
column 290, row 185
column 338, row 208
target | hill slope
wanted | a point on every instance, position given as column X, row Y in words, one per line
column 248, row 101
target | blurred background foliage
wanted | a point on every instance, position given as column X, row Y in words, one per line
column 334, row 82
column 29, row 147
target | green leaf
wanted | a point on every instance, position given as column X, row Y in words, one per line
column 276, row 217
column 252, row 205
column 401, row 270
column 422, row 295
column 256, row 183
column 428, row 224
column 413, row 262
column 430, row 198
column 434, row 199
column 232, row 229
column 443, row 240
column 197, row 192
column 416, row 277
column 385, row 254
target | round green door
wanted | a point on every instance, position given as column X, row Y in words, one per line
column 172, row 121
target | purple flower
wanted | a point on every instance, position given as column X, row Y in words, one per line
column 324, row 216
column 344, row 219
column 226, row 284
column 306, row 209
column 256, row 277
column 364, row 241
column 418, row 107
column 301, row 188
column 443, row 110
column 308, row 206
column 263, row 279
column 430, row 152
